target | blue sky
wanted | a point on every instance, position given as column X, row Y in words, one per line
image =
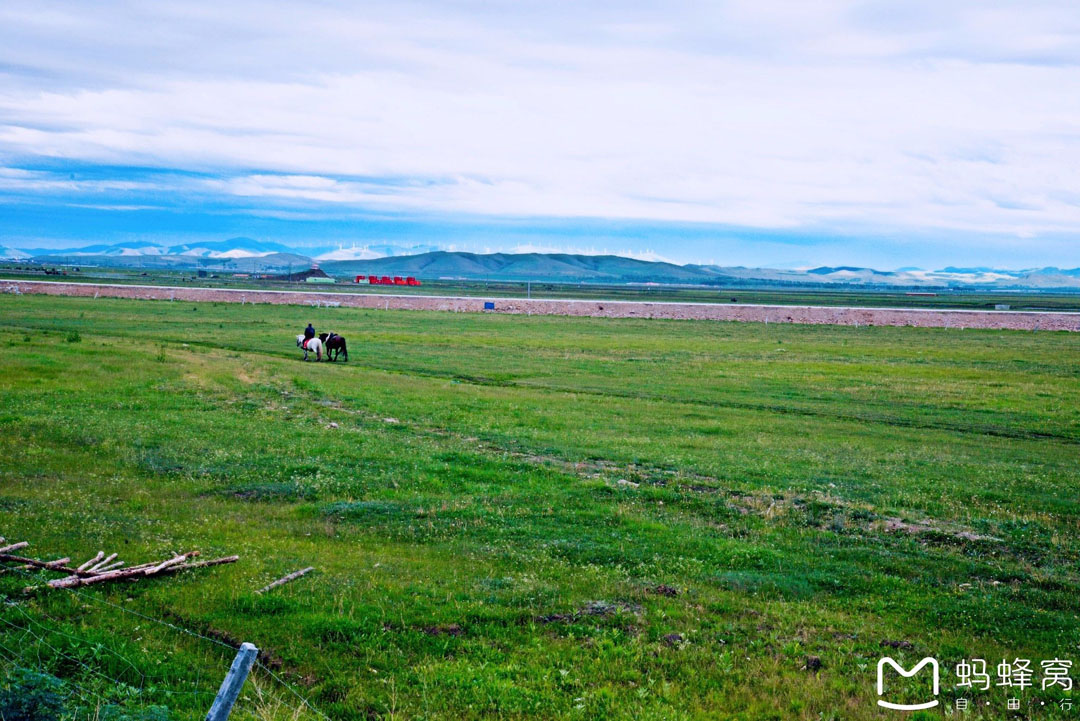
column 745, row 133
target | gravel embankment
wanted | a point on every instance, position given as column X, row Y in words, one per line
column 812, row 315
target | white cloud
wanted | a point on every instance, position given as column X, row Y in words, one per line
column 899, row 115
column 17, row 179
column 623, row 252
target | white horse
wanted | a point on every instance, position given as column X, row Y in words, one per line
column 314, row 345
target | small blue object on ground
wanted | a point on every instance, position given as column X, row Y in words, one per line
column 489, row 305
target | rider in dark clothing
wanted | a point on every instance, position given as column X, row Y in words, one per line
column 309, row 332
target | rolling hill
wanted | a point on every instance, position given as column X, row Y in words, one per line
column 525, row 266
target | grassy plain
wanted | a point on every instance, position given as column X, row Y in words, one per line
column 1050, row 300
column 537, row 517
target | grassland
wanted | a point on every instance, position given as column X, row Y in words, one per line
column 1052, row 300
column 536, row 517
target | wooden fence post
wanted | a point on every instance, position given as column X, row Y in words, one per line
column 234, row 681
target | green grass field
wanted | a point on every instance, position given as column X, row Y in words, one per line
column 536, row 517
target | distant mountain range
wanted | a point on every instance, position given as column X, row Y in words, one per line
column 232, row 248
column 235, row 254
column 618, row 269
column 425, row 261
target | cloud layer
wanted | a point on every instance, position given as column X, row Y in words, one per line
column 870, row 119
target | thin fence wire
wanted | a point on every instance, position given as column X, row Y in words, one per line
column 77, row 660
column 56, row 629
column 159, row 621
column 18, row 660
column 305, row 703
column 73, row 688
column 42, row 640
column 291, row 690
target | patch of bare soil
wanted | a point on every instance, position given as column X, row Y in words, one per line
column 896, row 525
column 593, row 609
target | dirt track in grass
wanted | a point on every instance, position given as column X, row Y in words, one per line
column 811, row 315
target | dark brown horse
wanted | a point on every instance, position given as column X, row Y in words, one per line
column 335, row 346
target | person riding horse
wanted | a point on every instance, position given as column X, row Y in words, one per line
column 333, row 343
column 309, row 333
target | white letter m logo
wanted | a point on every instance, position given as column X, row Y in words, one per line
column 906, row 674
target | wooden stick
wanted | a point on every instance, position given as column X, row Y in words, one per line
column 175, row 560
column 154, row 564
column 110, row 567
column 205, row 564
column 144, row 566
column 50, row 565
column 14, row 546
column 100, row 555
column 108, row 560
column 285, row 579
column 159, row 566
column 75, row 581
column 57, row 565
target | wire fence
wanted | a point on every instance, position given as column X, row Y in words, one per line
column 32, row 640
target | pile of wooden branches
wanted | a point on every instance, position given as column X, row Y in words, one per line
column 102, row 568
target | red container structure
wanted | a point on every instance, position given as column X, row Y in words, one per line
column 387, row 280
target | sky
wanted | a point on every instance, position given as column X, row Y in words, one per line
column 759, row 132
